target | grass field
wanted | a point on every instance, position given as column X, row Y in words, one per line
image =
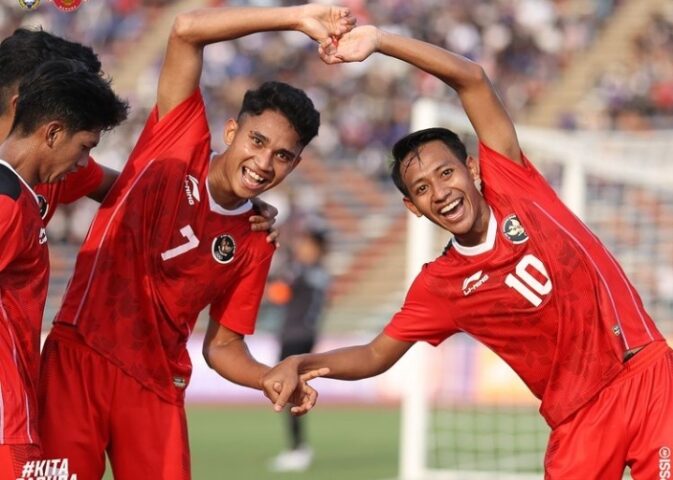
column 236, row 443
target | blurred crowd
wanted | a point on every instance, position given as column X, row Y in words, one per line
column 524, row 45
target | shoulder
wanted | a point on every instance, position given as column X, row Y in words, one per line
column 10, row 185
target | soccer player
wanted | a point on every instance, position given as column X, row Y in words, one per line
column 171, row 238
column 522, row 275
column 23, row 52
column 61, row 111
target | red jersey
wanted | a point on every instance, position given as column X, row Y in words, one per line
column 24, row 273
column 542, row 292
column 73, row 187
column 159, row 251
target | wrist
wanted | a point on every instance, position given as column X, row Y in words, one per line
column 378, row 39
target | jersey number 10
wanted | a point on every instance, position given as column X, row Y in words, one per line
column 528, row 286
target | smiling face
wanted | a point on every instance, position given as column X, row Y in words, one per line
column 442, row 188
column 66, row 152
column 263, row 150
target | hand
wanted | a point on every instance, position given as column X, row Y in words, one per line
column 265, row 220
column 283, row 384
column 325, row 24
column 354, row 46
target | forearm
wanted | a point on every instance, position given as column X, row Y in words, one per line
column 210, row 25
column 349, row 363
column 455, row 70
column 235, row 363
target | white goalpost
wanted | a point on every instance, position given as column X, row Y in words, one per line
column 465, row 415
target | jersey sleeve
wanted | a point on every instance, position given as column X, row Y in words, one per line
column 10, row 231
column 80, row 183
column 237, row 309
column 503, row 176
column 425, row 315
column 184, row 126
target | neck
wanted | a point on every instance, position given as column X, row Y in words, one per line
column 479, row 231
column 18, row 153
column 219, row 187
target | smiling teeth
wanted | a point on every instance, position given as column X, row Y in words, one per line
column 450, row 206
column 254, row 175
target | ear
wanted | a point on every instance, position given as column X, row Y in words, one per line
column 473, row 167
column 12, row 103
column 411, row 207
column 53, row 131
column 230, row 129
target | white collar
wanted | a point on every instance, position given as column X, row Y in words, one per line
column 219, row 209
column 3, row 162
column 482, row 247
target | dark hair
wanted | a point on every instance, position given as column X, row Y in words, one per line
column 65, row 90
column 414, row 141
column 293, row 103
column 25, row 50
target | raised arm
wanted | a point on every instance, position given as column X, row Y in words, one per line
column 480, row 101
column 349, row 363
column 192, row 31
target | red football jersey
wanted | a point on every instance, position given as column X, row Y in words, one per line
column 24, row 272
column 73, row 187
column 542, row 292
column 159, row 251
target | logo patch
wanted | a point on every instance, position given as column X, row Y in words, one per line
column 29, row 4
column 67, row 5
column 44, row 205
column 224, row 248
column 42, row 238
column 473, row 282
column 192, row 190
column 513, row 230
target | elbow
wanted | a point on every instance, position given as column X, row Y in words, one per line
column 474, row 76
column 183, row 27
column 207, row 355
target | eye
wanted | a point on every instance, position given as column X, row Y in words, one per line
column 447, row 172
column 421, row 189
column 256, row 141
column 283, row 156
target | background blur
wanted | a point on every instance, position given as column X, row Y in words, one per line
column 566, row 65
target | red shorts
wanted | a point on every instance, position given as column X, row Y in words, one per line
column 14, row 457
column 88, row 406
column 629, row 423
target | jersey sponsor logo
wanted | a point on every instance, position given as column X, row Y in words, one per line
column 29, row 4
column 44, row 205
column 224, row 248
column 42, row 238
column 513, row 230
column 473, row 282
column 192, row 189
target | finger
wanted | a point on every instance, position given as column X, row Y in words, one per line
column 320, row 372
column 272, row 237
column 284, row 393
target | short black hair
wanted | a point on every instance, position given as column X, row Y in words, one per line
column 65, row 90
column 292, row 102
column 26, row 49
column 414, row 141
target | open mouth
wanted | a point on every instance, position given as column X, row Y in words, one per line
column 252, row 179
column 454, row 210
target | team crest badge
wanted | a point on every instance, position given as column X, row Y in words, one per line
column 224, row 248
column 43, row 204
column 29, row 4
column 513, row 230
column 67, row 5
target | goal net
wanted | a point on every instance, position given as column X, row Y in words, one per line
column 465, row 414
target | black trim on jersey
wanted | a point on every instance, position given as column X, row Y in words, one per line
column 9, row 184
column 447, row 248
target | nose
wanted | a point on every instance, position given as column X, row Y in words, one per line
column 84, row 161
column 264, row 161
column 441, row 192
